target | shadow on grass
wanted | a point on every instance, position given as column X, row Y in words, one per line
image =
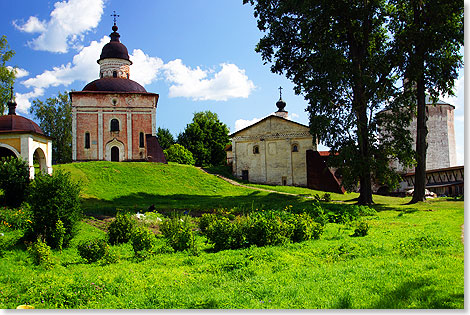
column 195, row 204
column 419, row 293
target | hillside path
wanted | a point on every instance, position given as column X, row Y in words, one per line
column 233, row 182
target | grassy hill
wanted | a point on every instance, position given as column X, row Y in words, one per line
column 107, row 186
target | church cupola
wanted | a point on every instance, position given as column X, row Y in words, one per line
column 114, row 59
column 281, row 105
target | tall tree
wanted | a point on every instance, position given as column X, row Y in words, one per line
column 7, row 75
column 165, row 138
column 428, row 37
column 337, row 54
column 55, row 120
column 206, row 138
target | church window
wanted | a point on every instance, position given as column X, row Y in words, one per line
column 295, row 148
column 101, row 75
column 114, row 124
column 141, row 140
column 114, row 74
column 255, row 149
column 87, row 140
column 128, row 75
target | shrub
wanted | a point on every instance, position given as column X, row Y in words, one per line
column 15, row 219
column 303, row 227
column 179, row 154
column 59, row 234
column 14, row 180
column 41, row 253
column 120, row 230
column 265, row 230
column 55, row 198
column 178, row 233
column 205, row 220
column 220, row 233
column 93, row 250
column 362, row 229
column 143, row 241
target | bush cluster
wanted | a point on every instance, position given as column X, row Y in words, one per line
column 120, row 230
column 93, row 250
column 15, row 219
column 41, row 253
column 338, row 213
column 260, row 229
column 14, row 180
column 143, row 241
column 53, row 198
column 178, row 232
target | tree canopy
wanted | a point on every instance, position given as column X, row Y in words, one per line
column 165, row 138
column 7, row 75
column 206, row 138
column 428, row 37
column 338, row 56
column 55, row 120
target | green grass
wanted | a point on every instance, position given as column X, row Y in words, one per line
column 108, row 186
column 413, row 256
column 410, row 259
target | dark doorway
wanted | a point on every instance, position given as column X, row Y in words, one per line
column 245, row 175
column 115, row 154
column 4, row 152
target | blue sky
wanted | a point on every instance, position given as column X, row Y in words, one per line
column 197, row 55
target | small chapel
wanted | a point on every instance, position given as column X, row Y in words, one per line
column 114, row 117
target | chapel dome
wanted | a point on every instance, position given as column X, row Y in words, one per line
column 15, row 123
column 114, row 85
column 114, row 49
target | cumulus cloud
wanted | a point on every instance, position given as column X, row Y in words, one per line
column 144, row 69
column 23, row 100
column 243, row 123
column 82, row 68
column 201, row 85
column 19, row 73
column 68, row 22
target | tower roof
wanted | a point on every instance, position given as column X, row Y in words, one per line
column 114, row 49
column 114, row 85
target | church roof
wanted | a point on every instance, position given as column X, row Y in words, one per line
column 114, row 49
column 262, row 120
column 114, row 85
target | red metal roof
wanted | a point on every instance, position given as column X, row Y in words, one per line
column 15, row 123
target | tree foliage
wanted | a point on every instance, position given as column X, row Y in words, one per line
column 165, row 138
column 337, row 53
column 206, row 138
column 179, row 154
column 7, row 76
column 428, row 37
column 14, row 180
column 55, row 120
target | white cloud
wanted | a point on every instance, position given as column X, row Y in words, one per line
column 144, row 69
column 19, row 73
column 82, row 68
column 229, row 82
column 242, row 123
column 69, row 21
column 292, row 116
column 23, row 100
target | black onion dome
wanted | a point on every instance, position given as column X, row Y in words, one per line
column 114, row 49
column 280, row 105
column 114, row 85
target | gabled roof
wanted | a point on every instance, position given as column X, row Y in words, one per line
column 264, row 119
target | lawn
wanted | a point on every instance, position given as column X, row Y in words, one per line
column 413, row 256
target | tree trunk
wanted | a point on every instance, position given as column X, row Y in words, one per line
column 421, row 128
column 365, row 179
column 421, row 145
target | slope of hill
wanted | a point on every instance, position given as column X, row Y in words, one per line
column 107, row 186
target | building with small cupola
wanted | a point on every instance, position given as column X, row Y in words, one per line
column 114, row 117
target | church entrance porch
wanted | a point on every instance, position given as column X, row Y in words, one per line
column 115, row 154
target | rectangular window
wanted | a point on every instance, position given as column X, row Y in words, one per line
column 87, row 140
column 141, row 140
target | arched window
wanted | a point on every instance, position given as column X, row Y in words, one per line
column 141, row 140
column 114, row 124
column 114, row 74
column 255, row 149
column 295, row 148
column 87, row 140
